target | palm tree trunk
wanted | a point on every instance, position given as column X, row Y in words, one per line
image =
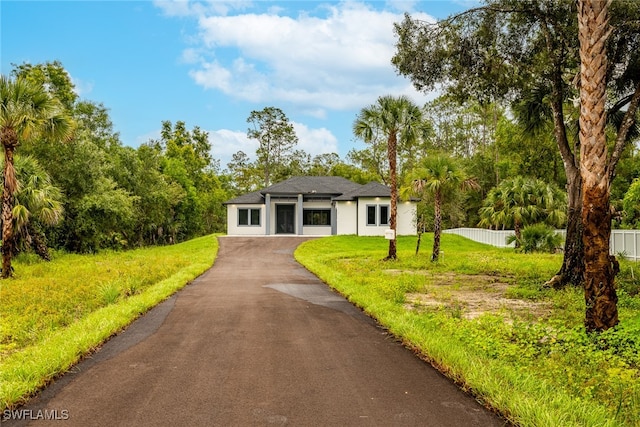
column 517, row 229
column 437, row 226
column 392, row 154
column 8, row 192
column 600, row 295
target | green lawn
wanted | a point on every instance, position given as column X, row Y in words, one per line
column 53, row 313
column 479, row 315
column 482, row 317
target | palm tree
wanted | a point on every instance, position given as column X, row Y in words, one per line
column 517, row 202
column 439, row 175
column 27, row 112
column 397, row 119
column 37, row 203
column 596, row 167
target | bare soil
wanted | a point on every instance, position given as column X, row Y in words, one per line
column 470, row 296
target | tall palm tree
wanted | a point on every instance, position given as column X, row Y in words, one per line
column 27, row 112
column 439, row 175
column 600, row 269
column 38, row 204
column 397, row 119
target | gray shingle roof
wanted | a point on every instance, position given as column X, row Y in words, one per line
column 254, row 198
column 331, row 185
column 372, row 189
column 337, row 187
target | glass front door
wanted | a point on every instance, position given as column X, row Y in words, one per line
column 285, row 219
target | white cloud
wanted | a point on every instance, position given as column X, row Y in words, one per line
column 81, row 87
column 338, row 58
column 142, row 139
column 315, row 141
column 195, row 8
column 225, row 143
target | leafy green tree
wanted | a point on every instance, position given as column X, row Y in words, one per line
column 399, row 120
column 439, row 175
column 52, row 77
column 104, row 216
column 372, row 160
column 120, row 197
column 244, row 173
column 27, row 112
column 627, row 171
column 631, row 205
column 353, row 173
column 322, row 164
column 276, row 138
column 527, row 53
column 297, row 163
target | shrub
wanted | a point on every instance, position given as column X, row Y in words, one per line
column 538, row 238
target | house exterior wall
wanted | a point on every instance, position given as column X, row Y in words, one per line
column 407, row 214
column 405, row 220
column 346, row 217
column 235, row 229
column 350, row 218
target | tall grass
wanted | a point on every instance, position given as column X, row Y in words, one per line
column 54, row 313
column 537, row 369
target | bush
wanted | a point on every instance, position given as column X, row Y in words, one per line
column 538, row 238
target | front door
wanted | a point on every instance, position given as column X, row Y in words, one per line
column 285, row 219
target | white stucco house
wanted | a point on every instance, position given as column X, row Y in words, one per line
column 318, row 206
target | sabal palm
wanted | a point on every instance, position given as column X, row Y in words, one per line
column 596, row 166
column 27, row 112
column 519, row 201
column 37, row 203
column 398, row 120
column 439, row 175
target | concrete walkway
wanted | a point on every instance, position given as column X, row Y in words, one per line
column 257, row 340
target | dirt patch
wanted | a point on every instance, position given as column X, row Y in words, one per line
column 470, row 296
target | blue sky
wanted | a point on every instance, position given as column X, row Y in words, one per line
column 210, row 63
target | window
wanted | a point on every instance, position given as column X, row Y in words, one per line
column 316, row 217
column 247, row 216
column 371, row 215
column 384, row 214
column 377, row 215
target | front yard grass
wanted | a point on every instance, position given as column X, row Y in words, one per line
column 482, row 317
column 53, row 314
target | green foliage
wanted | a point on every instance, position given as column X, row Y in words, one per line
column 537, row 366
column 631, row 205
column 391, row 123
column 119, row 197
column 53, row 77
column 522, row 201
column 276, row 138
column 37, row 206
column 109, row 293
column 538, row 238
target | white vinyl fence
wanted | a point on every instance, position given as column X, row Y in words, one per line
column 623, row 242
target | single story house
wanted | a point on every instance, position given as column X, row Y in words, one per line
column 318, row 206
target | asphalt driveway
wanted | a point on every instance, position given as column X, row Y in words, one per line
column 256, row 340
